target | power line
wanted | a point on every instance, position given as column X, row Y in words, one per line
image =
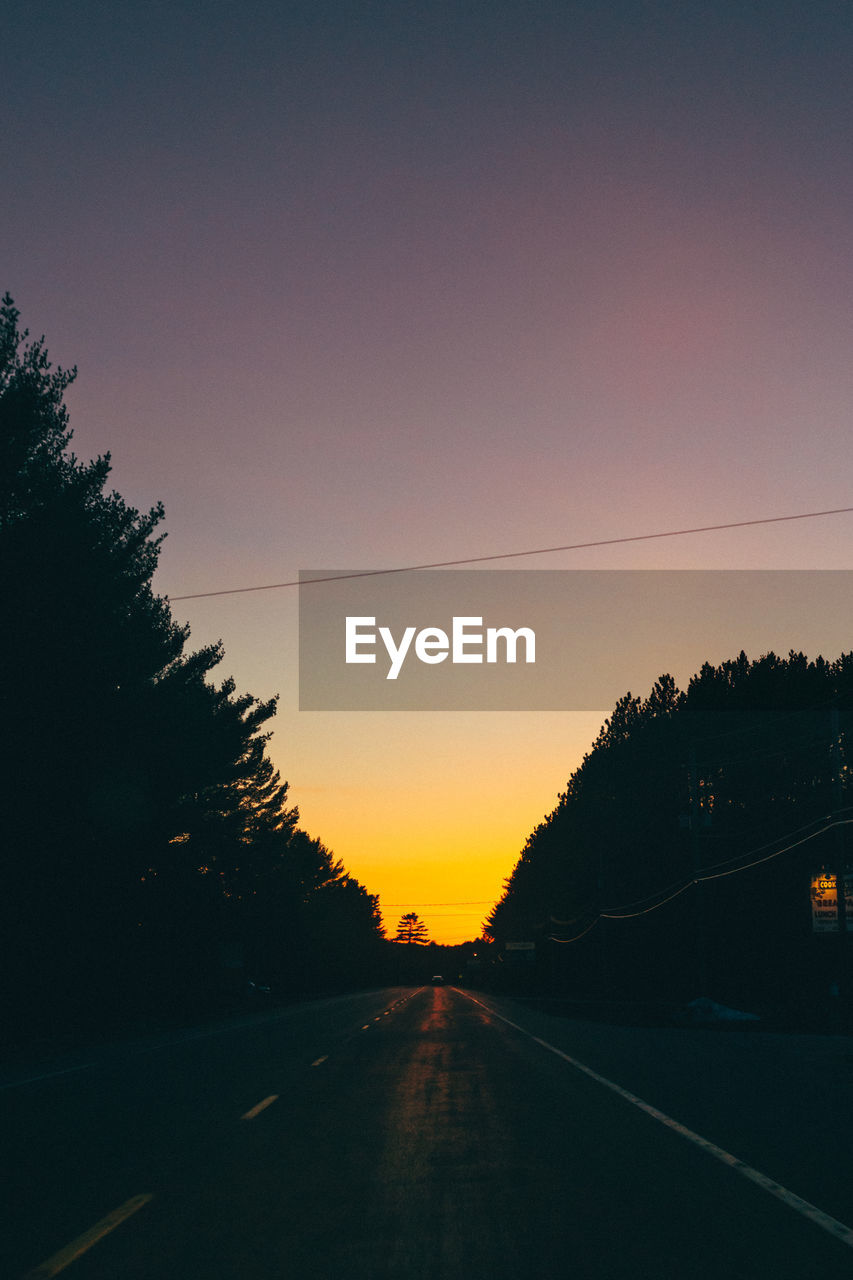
column 605, row 915
column 841, row 822
column 627, row 906
column 577, row 936
column 456, row 915
column 511, row 555
column 727, row 862
column 625, row 912
column 476, row 902
column 581, row 915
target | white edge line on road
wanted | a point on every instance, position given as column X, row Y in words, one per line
column 47, row 1075
column 804, row 1207
column 261, row 1106
column 59, row 1261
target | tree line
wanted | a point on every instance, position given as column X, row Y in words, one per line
column 678, row 861
column 153, row 858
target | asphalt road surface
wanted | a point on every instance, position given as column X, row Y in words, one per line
column 431, row 1134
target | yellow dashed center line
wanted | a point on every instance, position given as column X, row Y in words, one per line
column 59, row 1261
column 261, row 1106
column 64, row 1257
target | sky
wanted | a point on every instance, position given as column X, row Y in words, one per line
column 361, row 285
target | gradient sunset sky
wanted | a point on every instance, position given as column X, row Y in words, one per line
column 372, row 284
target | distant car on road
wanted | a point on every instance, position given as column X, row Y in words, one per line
column 437, row 980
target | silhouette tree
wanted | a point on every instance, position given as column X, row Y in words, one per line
column 145, row 823
column 148, row 832
column 411, row 929
column 90, row 645
column 677, row 859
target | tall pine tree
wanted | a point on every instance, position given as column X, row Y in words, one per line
column 131, row 784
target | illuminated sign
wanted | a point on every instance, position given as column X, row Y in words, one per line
column 825, row 902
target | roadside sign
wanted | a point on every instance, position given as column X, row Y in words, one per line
column 825, row 902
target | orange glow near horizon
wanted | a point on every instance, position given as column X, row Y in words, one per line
column 432, row 810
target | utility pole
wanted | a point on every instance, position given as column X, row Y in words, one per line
column 603, row 977
column 840, row 863
column 699, row 907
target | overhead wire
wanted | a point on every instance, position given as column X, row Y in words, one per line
column 606, row 915
column 513, row 555
column 468, row 902
column 606, row 911
column 578, row 936
column 625, row 913
column 841, row 822
column 824, row 817
column 578, row 546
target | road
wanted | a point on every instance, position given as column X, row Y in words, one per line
column 430, row 1134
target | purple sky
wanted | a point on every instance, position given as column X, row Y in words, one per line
column 367, row 284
